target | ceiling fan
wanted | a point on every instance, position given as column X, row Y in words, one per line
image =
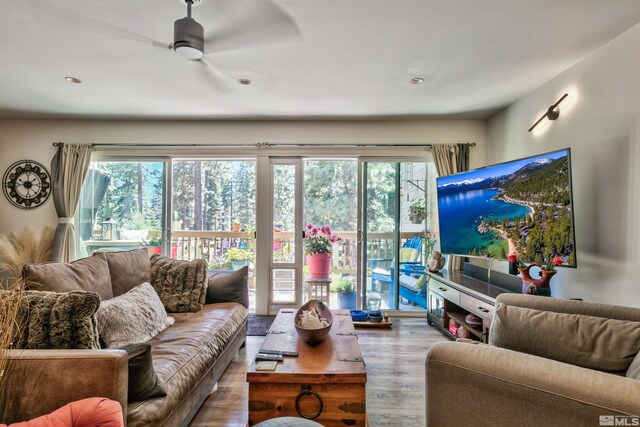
column 188, row 34
column 248, row 24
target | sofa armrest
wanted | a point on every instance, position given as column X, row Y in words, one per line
column 41, row 381
column 480, row 385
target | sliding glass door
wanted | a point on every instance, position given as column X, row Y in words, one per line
column 395, row 237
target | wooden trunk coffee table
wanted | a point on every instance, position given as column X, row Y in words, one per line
column 328, row 381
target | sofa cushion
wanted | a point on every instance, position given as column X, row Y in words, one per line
column 181, row 285
column 86, row 274
column 229, row 286
column 414, row 284
column 50, row 320
column 607, row 345
column 128, row 269
column 134, row 317
column 184, row 353
column 143, row 380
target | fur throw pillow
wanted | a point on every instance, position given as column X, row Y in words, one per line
column 51, row 320
column 133, row 317
column 181, row 285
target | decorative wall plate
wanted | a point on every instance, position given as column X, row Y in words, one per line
column 26, row 184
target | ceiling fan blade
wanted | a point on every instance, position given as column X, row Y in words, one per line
column 212, row 75
column 48, row 14
column 251, row 24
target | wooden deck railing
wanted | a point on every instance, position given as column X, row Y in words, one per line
column 211, row 246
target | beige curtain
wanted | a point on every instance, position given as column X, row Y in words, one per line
column 450, row 159
column 68, row 169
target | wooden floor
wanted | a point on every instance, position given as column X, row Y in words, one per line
column 395, row 361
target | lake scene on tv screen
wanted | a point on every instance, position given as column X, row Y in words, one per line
column 522, row 207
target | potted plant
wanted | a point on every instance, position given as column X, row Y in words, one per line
column 236, row 225
column 238, row 257
column 154, row 245
column 417, row 211
column 318, row 245
column 346, row 293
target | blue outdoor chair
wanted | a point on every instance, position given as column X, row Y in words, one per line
column 409, row 255
column 413, row 285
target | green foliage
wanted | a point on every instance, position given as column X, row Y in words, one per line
column 153, row 241
column 346, row 285
column 134, row 197
column 547, row 185
column 329, row 193
column 237, row 254
column 418, row 210
column 381, row 197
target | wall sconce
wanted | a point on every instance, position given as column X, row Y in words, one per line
column 552, row 113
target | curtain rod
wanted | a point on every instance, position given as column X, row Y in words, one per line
column 263, row 145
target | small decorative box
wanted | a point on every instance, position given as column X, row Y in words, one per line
column 453, row 327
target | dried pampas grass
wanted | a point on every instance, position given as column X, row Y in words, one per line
column 25, row 247
column 10, row 301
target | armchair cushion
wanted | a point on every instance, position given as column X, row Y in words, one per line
column 415, row 284
column 607, row 345
column 634, row 368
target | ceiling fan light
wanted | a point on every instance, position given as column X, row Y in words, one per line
column 188, row 38
column 188, row 52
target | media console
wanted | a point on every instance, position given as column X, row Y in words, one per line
column 452, row 295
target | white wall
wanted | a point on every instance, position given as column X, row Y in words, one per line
column 32, row 139
column 601, row 124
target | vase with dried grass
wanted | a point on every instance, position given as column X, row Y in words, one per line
column 10, row 301
column 18, row 249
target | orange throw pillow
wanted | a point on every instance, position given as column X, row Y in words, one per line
column 92, row 412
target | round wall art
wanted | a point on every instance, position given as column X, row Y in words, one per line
column 26, row 184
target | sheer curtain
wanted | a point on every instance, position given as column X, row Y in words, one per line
column 450, row 159
column 68, row 170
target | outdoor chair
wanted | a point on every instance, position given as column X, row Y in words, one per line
column 413, row 285
column 381, row 267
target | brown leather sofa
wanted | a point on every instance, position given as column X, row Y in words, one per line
column 189, row 357
column 550, row 362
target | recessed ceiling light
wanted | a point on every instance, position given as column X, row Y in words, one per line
column 244, row 81
column 416, row 80
column 73, row 79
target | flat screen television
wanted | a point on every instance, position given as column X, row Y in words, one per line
column 523, row 206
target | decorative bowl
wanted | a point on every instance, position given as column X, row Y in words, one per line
column 314, row 336
column 473, row 320
column 359, row 315
column 375, row 318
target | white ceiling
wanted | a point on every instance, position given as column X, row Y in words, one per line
column 308, row 59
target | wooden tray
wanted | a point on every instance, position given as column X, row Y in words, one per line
column 373, row 325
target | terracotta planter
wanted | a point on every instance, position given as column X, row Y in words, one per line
column 319, row 266
column 236, row 227
column 541, row 286
column 154, row 250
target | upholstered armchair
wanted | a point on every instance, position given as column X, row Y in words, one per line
column 549, row 362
